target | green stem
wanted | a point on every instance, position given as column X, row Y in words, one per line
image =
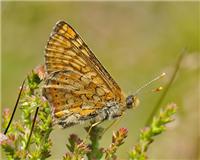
column 158, row 104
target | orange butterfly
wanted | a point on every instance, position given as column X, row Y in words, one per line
column 77, row 86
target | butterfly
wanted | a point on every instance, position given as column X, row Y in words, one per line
column 77, row 86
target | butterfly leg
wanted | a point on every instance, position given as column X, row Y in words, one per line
column 92, row 126
column 115, row 122
column 89, row 130
column 13, row 113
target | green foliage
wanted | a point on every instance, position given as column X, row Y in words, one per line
column 147, row 134
column 95, row 136
column 15, row 144
column 117, row 140
column 77, row 148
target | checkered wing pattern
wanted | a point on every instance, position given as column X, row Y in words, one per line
column 76, row 81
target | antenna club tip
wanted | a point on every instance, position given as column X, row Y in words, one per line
column 163, row 74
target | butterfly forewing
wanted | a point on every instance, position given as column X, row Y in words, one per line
column 76, row 81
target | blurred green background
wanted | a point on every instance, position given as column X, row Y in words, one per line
column 135, row 41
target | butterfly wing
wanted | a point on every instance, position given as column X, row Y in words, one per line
column 67, row 52
column 73, row 94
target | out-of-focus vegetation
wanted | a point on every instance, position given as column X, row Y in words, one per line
column 135, row 41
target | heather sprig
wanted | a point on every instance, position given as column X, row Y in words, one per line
column 117, row 140
column 147, row 134
column 95, row 136
column 77, row 148
column 16, row 144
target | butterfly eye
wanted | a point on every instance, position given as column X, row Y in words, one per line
column 129, row 101
column 132, row 101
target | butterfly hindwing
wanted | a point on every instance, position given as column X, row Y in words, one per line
column 71, row 93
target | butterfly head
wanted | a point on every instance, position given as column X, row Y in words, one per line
column 132, row 101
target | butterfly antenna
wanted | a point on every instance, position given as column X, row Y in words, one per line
column 13, row 113
column 32, row 127
column 148, row 83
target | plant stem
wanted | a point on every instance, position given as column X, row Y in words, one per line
column 158, row 104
